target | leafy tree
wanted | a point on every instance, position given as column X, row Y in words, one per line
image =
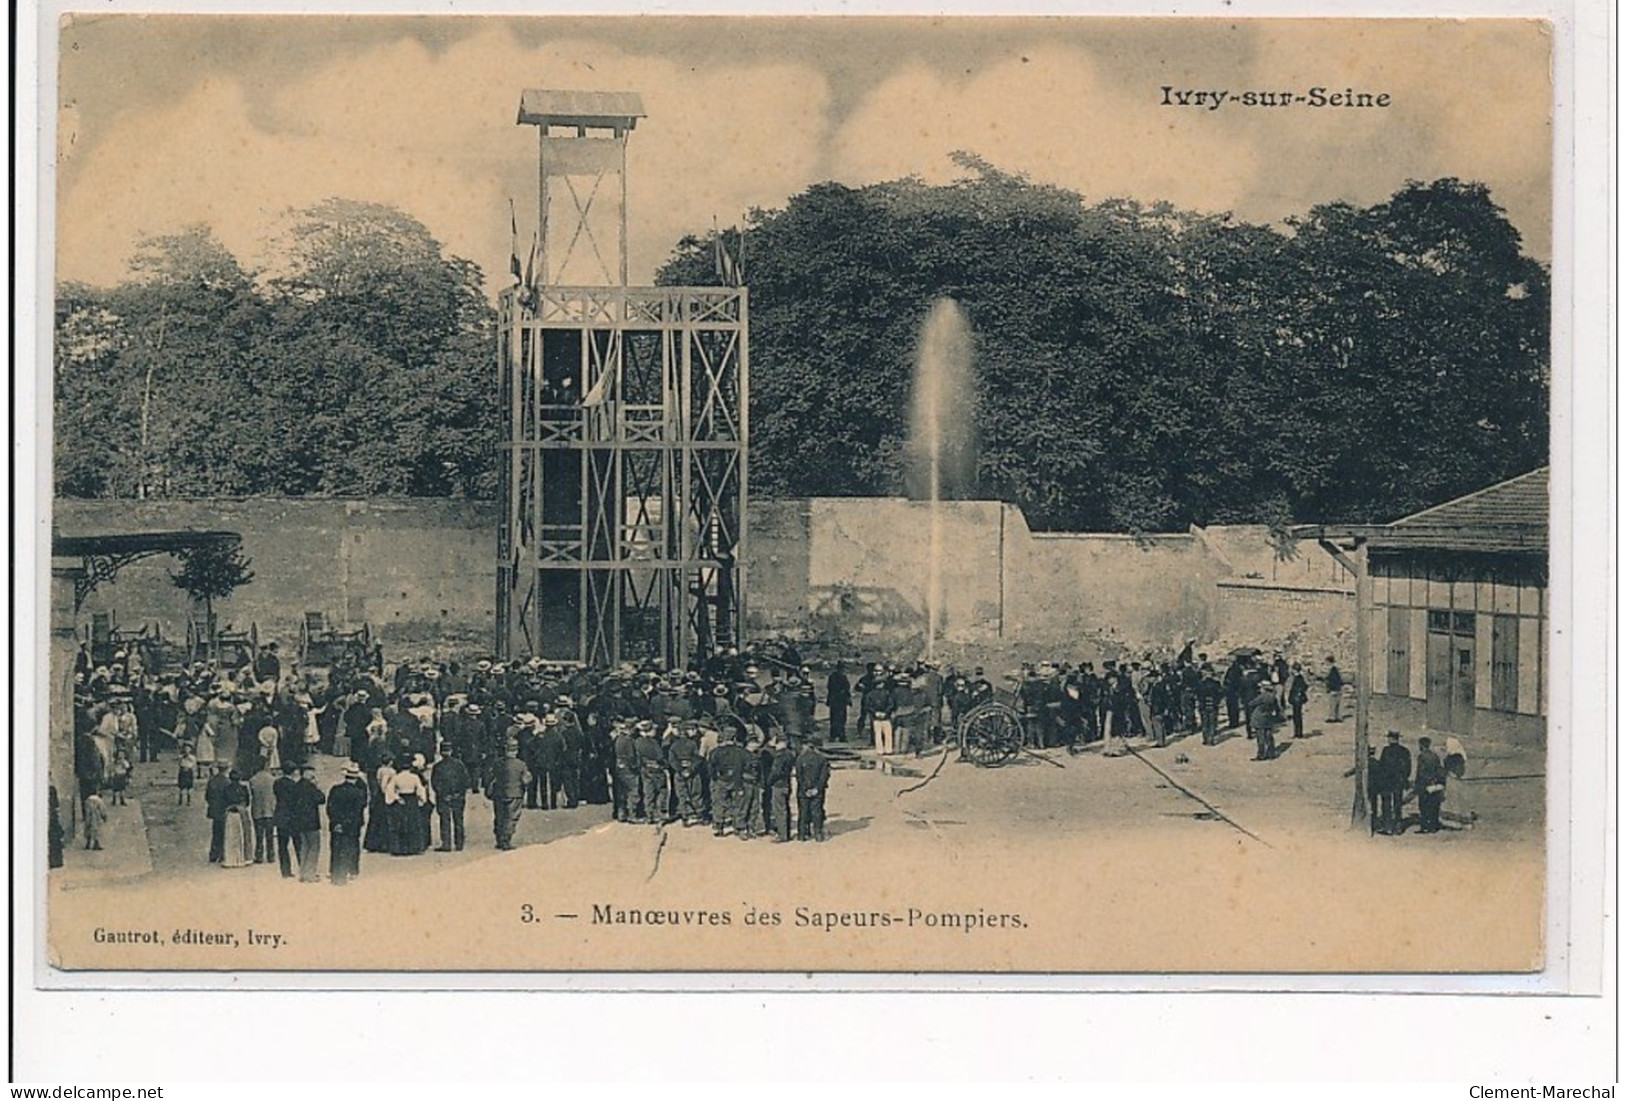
column 362, row 366
column 1141, row 367
column 1138, row 367
column 212, row 572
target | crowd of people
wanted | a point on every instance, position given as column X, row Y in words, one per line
column 1074, row 705
column 731, row 742
column 723, row 745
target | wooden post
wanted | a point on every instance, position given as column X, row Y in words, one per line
column 542, row 277
column 64, row 651
column 1354, row 562
column 620, row 139
column 1362, row 690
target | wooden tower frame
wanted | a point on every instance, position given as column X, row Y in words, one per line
column 624, row 476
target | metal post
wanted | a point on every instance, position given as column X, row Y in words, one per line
column 741, row 522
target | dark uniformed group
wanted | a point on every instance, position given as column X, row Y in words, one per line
column 1075, row 706
column 726, row 744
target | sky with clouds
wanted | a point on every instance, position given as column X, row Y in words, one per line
column 232, row 120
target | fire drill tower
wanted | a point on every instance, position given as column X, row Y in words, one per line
column 624, row 476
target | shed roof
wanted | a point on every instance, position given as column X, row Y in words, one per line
column 1508, row 516
column 543, row 106
column 139, row 543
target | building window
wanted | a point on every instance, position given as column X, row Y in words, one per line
column 1439, row 622
column 1464, row 623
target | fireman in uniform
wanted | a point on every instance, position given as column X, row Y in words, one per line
column 683, row 753
column 812, row 784
column 729, row 762
column 781, row 767
column 651, row 760
column 628, row 791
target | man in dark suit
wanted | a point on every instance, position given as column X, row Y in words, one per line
column 1208, row 694
column 866, row 684
column 683, row 754
column 781, row 768
column 346, row 813
column 628, row 796
column 651, row 762
column 1232, row 692
column 575, row 750
column 450, row 781
column 1297, row 694
column 1388, row 785
column 305, row 823
column 507, row 792
column 281, row 802
column 547, row 756
column 1429, row 785
column 812, row 785
column 214, row 802
column 1263, row 715
column 727, row 765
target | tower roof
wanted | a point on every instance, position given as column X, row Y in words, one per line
column 545, row 107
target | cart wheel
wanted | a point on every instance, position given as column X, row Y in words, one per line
column 990, row 735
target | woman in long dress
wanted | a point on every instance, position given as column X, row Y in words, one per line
column 381, row 809
column 410, row 835
column 239, row 825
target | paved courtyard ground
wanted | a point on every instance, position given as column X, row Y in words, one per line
column 1176, row 859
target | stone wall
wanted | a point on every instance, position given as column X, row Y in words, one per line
column 1302, row 621
column 411, row 568
column 854, row 569
column 1117, row 590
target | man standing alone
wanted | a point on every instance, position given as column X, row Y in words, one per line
column 214, row 804
column 838, row 693
column 1297, row 694
column 1264, row 714
column 346, row 812
column 450, row 781
column 282, row 800
column 1429, row 785
column 507, row 790
column 1334, row 691
column 305, row 822
column 1393, row 772
column 812, row 784
column 262, row 804
column 780, row 769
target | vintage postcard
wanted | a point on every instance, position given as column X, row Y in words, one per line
column 1006, row 495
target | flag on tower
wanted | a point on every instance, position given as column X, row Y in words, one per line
column 727, row 266
column 513, row 262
